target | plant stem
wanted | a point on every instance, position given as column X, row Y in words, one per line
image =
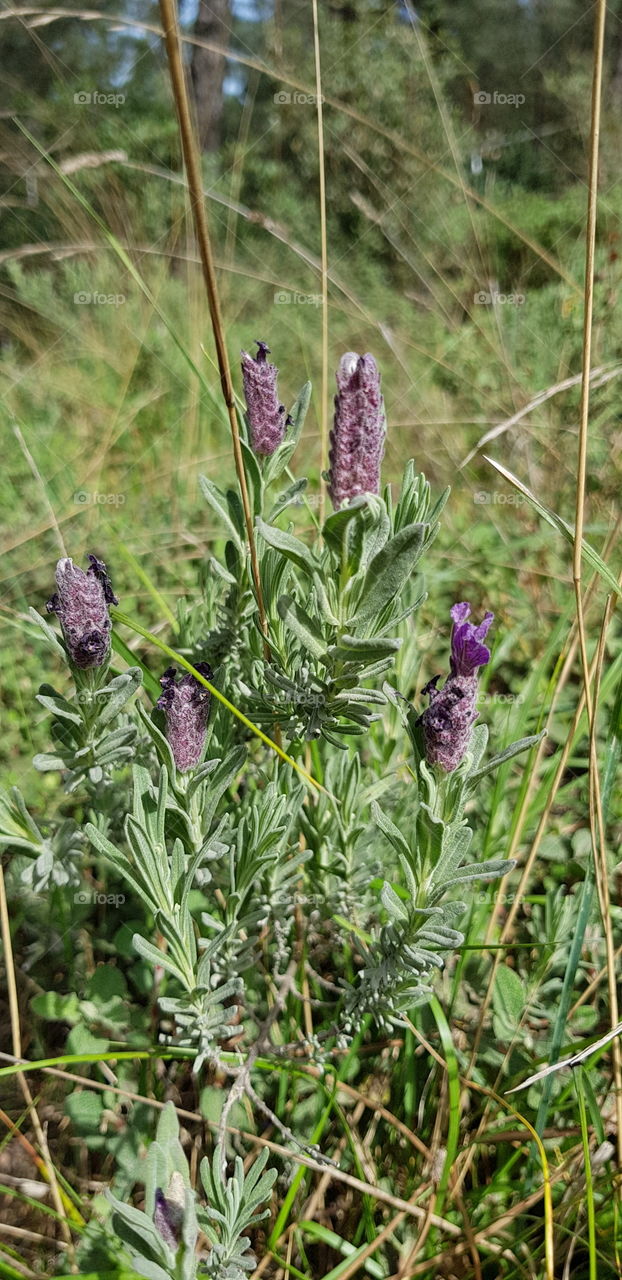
column 589, row 1189
column 168, row 11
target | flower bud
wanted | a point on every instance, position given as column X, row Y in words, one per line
column 359, row 427
column 448, row 721
column 168, row 1214
column 81, row 603
column 266, row 416
column 186, row 705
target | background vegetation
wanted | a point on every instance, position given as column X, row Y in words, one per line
column 455, row 140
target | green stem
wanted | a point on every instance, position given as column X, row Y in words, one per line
column 589, row 1188
column 118, row 616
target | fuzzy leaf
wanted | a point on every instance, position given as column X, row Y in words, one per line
column 388, row 572
column 304, row 628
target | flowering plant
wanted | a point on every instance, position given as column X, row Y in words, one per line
column 222, row 849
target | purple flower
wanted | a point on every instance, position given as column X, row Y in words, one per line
column 186, row 706
column 81, row 603
column 168, row 1214
column 266, row 416
column 448, row 720
column 357, row 437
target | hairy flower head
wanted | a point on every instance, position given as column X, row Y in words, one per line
column 448, row 720
column 81, row 602
column 186, row 705
column 359, row 427
column 266, row 415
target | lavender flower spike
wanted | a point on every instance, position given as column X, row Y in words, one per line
column 186, row 706
column 448, row 720
column 359, row 427
column 81, row 603
column 266, row 416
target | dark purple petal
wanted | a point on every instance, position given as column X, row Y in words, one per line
column 266, row 415
column 81, row 603
column 186, row 705
column 448, row 720
column 467, row 651
column 357, row 436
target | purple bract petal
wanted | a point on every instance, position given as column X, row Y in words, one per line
column 467, row 651
column 448, row 720
column 357, row 436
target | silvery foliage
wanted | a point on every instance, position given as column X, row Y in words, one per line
column 91, row 735
column 339, row 607
column 162, row 1239
column 48, row 859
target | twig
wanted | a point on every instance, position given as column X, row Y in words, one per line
column 168, row 11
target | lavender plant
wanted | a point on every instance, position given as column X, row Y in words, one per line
column 162, row 1240
column 242, row 875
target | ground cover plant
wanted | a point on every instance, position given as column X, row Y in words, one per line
column 309, row 878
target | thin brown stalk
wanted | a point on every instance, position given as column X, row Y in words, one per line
column 599, row 852
column 168, row 12
column 16, row 1039
column 324, row 253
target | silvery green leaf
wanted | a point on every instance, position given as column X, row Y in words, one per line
column 477, row 746
column 523, row 744
column 288, row 545
column 353, row 649
column 158, row 739
column 336, row 525
column 454, row 848
column 393, row 834
column 150, row 1270
column 118, row 692
column 48, row 634
column 285, row 499
column 137, row 1231
column 323, row 601
column 59, row 706
column 157, row 958
column 388, row 571
column 304, row 628
column 253, row 478
column 392, row 904
column 475, row 871
column 44, row 762
column 218, row 503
